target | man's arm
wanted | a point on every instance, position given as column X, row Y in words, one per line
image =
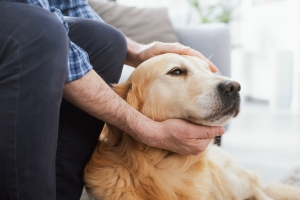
column 91, row 94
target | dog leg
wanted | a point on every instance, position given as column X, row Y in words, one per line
column 259, row 194
column 280, row 191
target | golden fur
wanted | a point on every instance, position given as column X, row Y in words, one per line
column 123, row 168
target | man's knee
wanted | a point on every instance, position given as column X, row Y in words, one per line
column 91, row 34
column 113, row 56
column 106, row 46
column 32, row 20
column 46, row 30
column 118, row 43
column 117, row 50
column 35, row 38
column 32, row 26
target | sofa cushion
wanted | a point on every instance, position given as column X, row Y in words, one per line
column 143, row 25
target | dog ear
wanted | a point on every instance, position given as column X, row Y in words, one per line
column 110, row 135
column 123, row 89
column 130, row 92
column 134, row 97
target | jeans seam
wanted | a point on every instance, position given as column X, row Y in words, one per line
column 17, row 105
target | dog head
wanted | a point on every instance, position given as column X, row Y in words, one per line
column 176, row 86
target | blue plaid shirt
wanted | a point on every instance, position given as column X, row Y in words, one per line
column 78, row 63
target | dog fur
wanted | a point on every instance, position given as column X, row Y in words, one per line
column 174, row 86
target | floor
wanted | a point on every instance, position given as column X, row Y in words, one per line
column 265, row 140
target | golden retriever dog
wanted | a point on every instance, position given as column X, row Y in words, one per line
column 174, row 86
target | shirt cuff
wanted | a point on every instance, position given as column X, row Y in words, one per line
column 78, row 63
column 78, row 60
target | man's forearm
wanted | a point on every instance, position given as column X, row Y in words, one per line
column 94, row 96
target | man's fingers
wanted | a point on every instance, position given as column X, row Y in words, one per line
column 183, row 50
column 161, row 48
column 169, row 48
column 186, row 138
column 209, row 132
column 216, row 131
column 200, row 146
column 205, row 138
column 189, row 51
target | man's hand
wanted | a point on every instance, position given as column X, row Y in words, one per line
column 138, row 53
column 182, row 137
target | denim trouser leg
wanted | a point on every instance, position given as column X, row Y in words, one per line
column 33, row 69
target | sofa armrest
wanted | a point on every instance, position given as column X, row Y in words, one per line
column 212, row 40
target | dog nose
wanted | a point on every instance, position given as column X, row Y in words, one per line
column 229, row 87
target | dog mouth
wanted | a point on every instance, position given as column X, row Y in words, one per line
column 231, row 111
column 220, row 117
column 222, row 114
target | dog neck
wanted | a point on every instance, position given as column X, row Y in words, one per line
column 112, row 137
column 127, row 149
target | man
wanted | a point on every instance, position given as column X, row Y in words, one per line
column 45, row 140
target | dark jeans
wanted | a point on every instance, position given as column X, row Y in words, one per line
column 45, row 141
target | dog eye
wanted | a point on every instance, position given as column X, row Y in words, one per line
column 177, row 72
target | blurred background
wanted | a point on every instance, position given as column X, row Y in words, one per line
column 265, row 59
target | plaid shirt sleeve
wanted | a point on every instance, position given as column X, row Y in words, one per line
column 75, row 8
column 78, row 60
column 79, row 63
